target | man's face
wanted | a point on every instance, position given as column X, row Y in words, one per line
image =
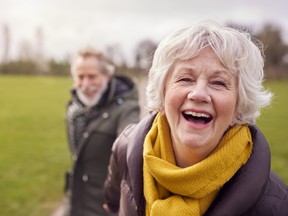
column 89, row 81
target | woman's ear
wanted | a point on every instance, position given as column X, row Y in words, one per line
column 234, row 120
column 162, row 109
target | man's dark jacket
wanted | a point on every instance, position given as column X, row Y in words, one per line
column 253, row 191
column 91, row 133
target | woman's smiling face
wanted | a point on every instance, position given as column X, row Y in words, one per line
column 199, row 103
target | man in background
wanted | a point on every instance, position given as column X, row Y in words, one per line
column 101, row 106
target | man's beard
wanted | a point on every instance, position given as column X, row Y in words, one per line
column 91, row 101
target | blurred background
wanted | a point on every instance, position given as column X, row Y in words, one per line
column 39, row 38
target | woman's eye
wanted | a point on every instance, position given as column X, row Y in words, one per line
column 185, row 80
column 219, row 83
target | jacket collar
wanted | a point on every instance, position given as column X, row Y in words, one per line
column 135, row 159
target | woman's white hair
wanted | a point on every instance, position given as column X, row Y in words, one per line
column 235, row 49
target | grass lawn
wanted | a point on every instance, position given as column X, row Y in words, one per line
column 274, row 124
column 33, row 144
column 34, row 152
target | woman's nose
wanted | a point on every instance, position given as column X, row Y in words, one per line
column 199, row 92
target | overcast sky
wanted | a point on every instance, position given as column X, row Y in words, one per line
column 70, row 24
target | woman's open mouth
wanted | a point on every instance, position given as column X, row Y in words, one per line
column 197, row 118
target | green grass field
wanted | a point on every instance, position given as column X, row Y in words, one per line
column 274, row 124
column 34, row 152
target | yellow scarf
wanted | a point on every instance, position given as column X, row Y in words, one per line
column 171, row 190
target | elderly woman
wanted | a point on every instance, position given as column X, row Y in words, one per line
column 199, row 151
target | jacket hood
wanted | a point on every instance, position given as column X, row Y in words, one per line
column 122, row 87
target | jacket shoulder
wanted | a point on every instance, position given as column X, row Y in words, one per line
column 133, row 133
column 122, row 140
column 274, row 200
column 276, row 196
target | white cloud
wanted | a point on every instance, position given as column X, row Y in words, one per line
column 69, row 24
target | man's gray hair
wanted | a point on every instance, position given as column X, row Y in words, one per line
column 106, row 67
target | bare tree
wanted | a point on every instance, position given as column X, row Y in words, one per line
column 144, row 54
column 275, row 48
column 26, row 52
column 42, row 65
column 6, row 43
column 39, row 43
column 116, row 55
